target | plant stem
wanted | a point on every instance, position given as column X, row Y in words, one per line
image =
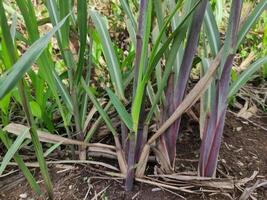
column 184, row 74
column 35, row 140
column 132, row 138
column 213, row 132
column 77, row 119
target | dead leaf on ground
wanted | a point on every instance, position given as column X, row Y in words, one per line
column 247, row 112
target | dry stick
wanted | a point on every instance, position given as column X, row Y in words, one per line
column 120, row 155
column 182, row 189
column 51, row 138
column 97, row 195
column 189, row 100
column 63, row 164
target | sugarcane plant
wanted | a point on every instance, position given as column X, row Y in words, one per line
column 167, row 41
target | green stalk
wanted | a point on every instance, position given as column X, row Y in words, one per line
column 142, row 37
column 35, row 140
column 45, row 62
column 35, row 51
column 25, row 103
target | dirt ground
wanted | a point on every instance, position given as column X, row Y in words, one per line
column 243, row 152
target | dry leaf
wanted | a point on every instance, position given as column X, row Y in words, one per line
column 247, row 112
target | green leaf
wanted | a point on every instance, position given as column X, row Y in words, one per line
column 26, row 172
column 101, row 111
column 212, row 31
column 12, row 150
column 36, row 109
column 124, row 115
column 168, row 69
column 52, row 148
column 13, row 27
column 26, row 61
column 246, row 76
column 129, row 13
column 4, row 103
column 249, row 22
column 141, row 84
column 82, row 24
column 109, row 53
column 45, row 62
column 62, row 90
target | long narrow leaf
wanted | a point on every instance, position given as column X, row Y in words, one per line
column 109, row 53
column 82, row 24
column 212, row 30
column 124, row 115
column 246, row 76
column 101, row 111
column 26, row 172
column 26, row 61
column 250, row 21
column 129, row 13
column 12, row 150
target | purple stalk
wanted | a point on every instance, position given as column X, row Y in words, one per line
column 167, row 112
column 139, row 41
column 131, row 161
column 213, row 133
column 184, row 73
column 141, row 134
column 136, row 143
column 124, row 137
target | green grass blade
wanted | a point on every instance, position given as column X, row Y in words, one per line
column 11, row 10
column 151, row 95
column 64, row 10
column 62, row 34
column 6, row 35
column 142, row 66
column 132, row 32
column 212, row 31
column 13, row 27
column 219, row 10
column 250, row 21
column 4, row 104
column 124, row 115
column 26, row 172
column 24, row 96
column 82, row 25
column 246, row 76
column 175, row 23
column 12, row 150
column 62, row 90
column 101, row 111
column 129, row 13
column 168, row 69
column 94, row 127
column 163, row 29
column 30, row 20
column 155, row 57
column 54, row 16
column 45, row 62
column 25, row 62
column 52, row 148
column 109, row 53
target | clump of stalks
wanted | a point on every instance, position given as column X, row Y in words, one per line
column 166, row 42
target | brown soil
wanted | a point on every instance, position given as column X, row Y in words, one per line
column 243, row 151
